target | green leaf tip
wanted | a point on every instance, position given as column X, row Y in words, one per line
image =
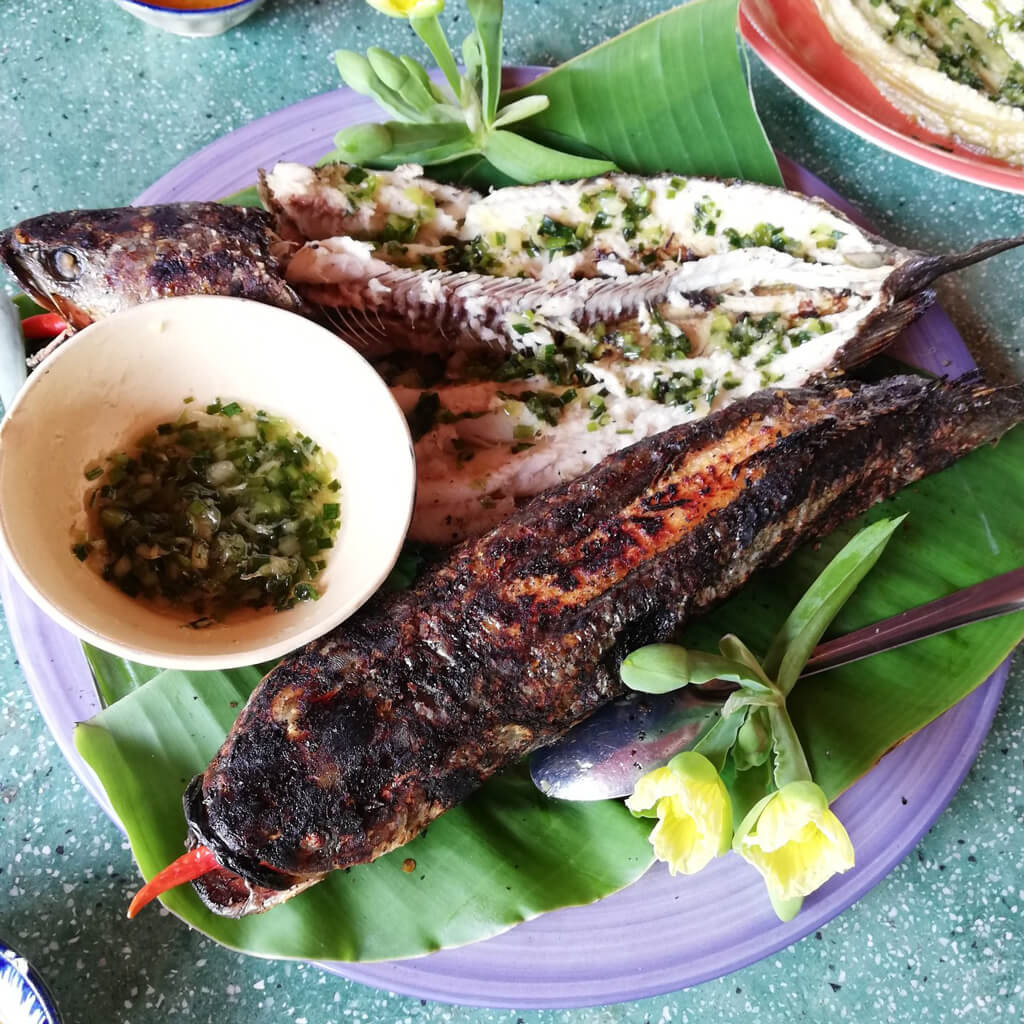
column 807, row 622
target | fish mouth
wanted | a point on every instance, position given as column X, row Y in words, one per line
column 13, row 256
column 201, row 833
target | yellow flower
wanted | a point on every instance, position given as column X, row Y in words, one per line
column 795, row 841
column 408, row 8
column 692, row 806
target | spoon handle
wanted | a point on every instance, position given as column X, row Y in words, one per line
column 989, row 599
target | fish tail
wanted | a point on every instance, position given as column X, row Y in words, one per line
column 921, row 271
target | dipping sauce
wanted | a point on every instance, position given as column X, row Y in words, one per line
column 219, row 510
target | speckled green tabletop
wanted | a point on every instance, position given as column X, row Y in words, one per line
column 94, row 106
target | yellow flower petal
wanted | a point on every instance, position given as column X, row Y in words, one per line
column 650, row 788
column 791, row 809
column 693, row 810
column 795, row 841
column 408, row 8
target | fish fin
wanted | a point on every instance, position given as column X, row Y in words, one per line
column 882, row 328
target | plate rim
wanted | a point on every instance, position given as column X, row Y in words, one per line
column 418, row 977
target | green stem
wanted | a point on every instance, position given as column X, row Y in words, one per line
column 429, row 30
column 790, row 761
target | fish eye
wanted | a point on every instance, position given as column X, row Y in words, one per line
column 66, row 264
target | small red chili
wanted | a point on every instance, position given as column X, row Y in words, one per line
column 43, row 326
column 188, row 866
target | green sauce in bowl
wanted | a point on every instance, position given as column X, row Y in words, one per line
column 219, row 510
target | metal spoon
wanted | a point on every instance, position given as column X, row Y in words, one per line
column 604, row 756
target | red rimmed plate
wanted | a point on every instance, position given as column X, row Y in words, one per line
column 790, row 37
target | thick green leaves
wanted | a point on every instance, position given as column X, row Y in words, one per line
column 660, row 668
column 486, row 16
column 360, row 144
column 526, row 161
column 403, row 77
column 806, row 624
column 505, row 856
column 244, row 197
column 668, row 95
column 735, row 649
column 753, row 741
column 716, row 743
column 394, row 143
column 429, row 30
column 519, row 110
column 359, row 74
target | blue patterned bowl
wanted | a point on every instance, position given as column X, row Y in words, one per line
column 24, row 998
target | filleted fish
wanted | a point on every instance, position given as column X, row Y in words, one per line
column 528, row 333
column 568, row 320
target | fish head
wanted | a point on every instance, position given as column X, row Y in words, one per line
column 67, row 262
column 89, row 264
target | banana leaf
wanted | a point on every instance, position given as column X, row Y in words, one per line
column 505, row 856
column 116, row 677
column 669, row 94
column 509, row 854
column 959, row 530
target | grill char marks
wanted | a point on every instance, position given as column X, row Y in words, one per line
column 373, row 731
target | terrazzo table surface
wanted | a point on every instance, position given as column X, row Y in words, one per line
column 94, row 106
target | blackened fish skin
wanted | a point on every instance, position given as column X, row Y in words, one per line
column 353, row 745
column 88, row 264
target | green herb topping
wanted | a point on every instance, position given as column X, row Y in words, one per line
column 215, row 513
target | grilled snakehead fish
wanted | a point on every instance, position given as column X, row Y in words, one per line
column 351, row 746
column 400, row 260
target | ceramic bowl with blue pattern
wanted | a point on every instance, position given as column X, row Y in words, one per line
column 24, row 998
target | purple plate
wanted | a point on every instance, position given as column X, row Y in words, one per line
column 662, row 933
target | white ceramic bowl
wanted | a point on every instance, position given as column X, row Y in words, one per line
column 210, row 21
column 120, row 377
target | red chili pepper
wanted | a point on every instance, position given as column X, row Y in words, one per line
column 188, row 866
column 43, row 326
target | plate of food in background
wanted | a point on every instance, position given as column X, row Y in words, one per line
column 938, row 82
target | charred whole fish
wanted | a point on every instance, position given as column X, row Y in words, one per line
column 351, row 746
